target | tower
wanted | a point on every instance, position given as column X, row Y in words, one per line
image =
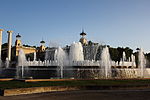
column 42, row 47
column 18, row 41
column 83, row 40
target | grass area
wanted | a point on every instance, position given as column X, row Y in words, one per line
column 20, row 84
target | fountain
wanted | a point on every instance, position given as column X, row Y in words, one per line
column 7, row 63
column 1, row 63
column 106, row 63
column 78, row 60
column 66, row 62
column 141, row 62
column 76, row 52
column 133, row 60
column 62, row 59
column 123, row 58
column 34, row 58
column 91, row 52
column 21, row 63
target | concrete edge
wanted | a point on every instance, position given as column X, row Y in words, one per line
column 20, row 91
column 6, row 79
column 48, row 80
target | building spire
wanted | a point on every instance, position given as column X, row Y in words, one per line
column 42, row 42
column 82, row 33
column 82, row 30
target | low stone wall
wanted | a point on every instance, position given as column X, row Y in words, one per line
column 6, row 79
column 45, row 80
column 19, row 91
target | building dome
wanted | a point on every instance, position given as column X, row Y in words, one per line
column 18, row 36
column 42, row 42
column 83, row 33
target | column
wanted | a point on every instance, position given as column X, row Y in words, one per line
column 1, row 30
column 9, row 44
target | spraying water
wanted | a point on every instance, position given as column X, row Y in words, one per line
column 76, row 52
column 133, row 60
column 106, row 62
column 21, row 58
column 1, row 63
column 61, row 57
column 123, row 58
column 34, row 59
column 46, row 55
column 7, row 63
column 21, row 62
column 141, row 62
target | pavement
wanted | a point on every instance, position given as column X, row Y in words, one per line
column 86, row 95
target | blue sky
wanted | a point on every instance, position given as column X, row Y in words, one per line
column 113, row 22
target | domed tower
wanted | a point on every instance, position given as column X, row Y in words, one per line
column 42, row 47
column 83, row 40
column 18, row 41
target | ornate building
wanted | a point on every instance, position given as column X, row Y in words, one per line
column 18, row 46
column 83, row 40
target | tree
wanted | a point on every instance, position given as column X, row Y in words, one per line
column 114, row 54
column 128, row 52
column 5, row 45
column 120, row 50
